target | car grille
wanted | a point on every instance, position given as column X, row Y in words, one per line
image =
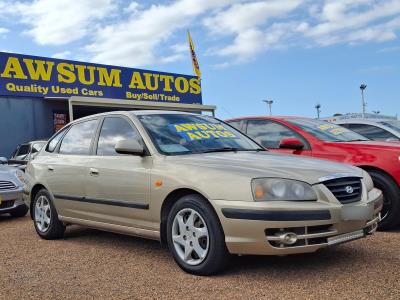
column 7, row 204
column 7, row 185
column 346, row 190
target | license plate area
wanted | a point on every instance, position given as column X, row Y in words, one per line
column 347, row 237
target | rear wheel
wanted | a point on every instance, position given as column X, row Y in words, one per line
column 390, row 213
column 45, row 217
column 195, row 236
column 20, row 211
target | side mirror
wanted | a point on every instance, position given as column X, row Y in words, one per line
column 291, row 143
column 3, row 160
column 132, row 147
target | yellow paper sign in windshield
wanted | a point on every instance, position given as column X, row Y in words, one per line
column 201, row 131
column 332, row 129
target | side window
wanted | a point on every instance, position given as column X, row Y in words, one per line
column 372, row 132
column 113, row 130
column 269, row 134
column 237, row 124
column 22, row 151
column 51, row 146
column 78, row 138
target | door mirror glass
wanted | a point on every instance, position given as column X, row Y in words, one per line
column 291, row 143
column 3, row 160
column 132, row 147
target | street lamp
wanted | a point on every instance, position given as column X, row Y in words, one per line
column 362, row 88
column 318, row 108
column 377, row 112
column 269, row 102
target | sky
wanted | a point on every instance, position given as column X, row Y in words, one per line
column 295, row 52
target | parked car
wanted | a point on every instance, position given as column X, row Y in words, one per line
column 196, row 184
column 24, row 153
column 320, row 139
column 11, row 201
column 374, row 129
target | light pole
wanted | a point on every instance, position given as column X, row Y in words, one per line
column 377, row 112
column 269, row 102
column 318, row 108
column 362, row 88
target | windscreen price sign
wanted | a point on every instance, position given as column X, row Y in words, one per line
column 32, row 76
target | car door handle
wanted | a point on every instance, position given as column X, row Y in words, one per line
column 50, row 168
column 94, row 172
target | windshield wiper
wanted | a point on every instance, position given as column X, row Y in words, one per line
column 224, row 149
column 231, row 149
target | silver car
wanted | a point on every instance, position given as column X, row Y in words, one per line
column 374, row 129
column 11, row 191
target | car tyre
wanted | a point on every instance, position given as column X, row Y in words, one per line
column 20, row 211
column 195, row 236
column 391, row 204
column 45, row 217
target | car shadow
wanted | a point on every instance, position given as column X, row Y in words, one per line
column 318, row 262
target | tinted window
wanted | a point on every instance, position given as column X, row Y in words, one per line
column 372, row 132
column 78, row 138
column 236, row 124
column 113, row 130
column 23, row 150
column 179, row 134
column 269, row 134
column 51, row 146
column 326, row 131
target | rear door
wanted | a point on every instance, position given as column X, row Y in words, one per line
column 269, row 134
column 118, row 185
column 67, row 167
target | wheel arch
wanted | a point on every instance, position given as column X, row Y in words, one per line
column 169, row 201
column 372, row 168
column 35, row 189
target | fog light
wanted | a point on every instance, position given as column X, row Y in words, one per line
column 288, row 238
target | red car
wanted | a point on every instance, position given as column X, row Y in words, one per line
column 320, row 139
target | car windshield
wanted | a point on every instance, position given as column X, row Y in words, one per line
column 179, row 134
column 395, row 125
column 327, row 131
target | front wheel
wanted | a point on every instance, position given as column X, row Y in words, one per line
column 390, row 213
column 195, row 236
column 45, row 217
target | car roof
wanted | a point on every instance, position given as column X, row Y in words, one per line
column 134, row 113
column 372, row 121
column 270, row 118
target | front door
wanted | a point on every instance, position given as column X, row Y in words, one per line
column 269, row 134
column 118, row 186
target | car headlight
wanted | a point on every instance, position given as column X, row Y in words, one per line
column 21, row 176
column 273, row 189
column 369, row 184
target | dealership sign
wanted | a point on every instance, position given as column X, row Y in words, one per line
column 24, row 75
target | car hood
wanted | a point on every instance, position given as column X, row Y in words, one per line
column 6, row 172
column 267, row 164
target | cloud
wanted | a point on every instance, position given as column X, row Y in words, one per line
column 134, row 41
column 3, row 31
column 62, row 55
column 61, row 22
column 390, row 49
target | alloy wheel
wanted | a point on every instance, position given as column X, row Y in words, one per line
column 42, row 214
column 190, row 236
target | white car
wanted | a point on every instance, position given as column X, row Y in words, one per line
column 374, row 129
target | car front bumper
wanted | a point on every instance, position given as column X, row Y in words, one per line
column 11, row 200
column 270, row 228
